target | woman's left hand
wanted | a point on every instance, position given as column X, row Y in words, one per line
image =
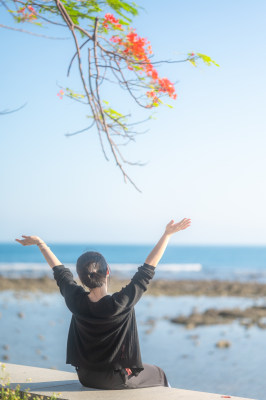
column 29, row 240
column 172, row 228
column 46, row 251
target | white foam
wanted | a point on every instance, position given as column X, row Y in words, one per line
column 162, row 267
column 43, row 267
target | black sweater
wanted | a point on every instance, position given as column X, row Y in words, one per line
column 103, row 334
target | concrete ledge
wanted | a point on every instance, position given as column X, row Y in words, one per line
column 46, row 382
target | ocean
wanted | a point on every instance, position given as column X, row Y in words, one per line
column 179, row 262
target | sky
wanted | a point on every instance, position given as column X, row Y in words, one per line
column 205, row 158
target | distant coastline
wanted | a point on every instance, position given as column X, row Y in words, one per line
column 159, row 287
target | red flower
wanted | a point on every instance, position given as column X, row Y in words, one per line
column 136, row 49
column 21, row 10
column 110, row 19
column 60, row 94
column 26, row 16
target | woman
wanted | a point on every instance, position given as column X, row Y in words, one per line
column 103, row 340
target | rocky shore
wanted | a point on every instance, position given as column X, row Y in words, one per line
column 157, row 287
column 248, row 317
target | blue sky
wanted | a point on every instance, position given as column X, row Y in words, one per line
column 205, row 157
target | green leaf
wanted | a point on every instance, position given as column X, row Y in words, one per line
column 119, row 5
column 113, row 113
column 206, row 59
column 74, row 95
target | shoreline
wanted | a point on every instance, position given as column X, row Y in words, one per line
column 159, row 287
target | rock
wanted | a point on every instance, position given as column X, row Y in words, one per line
column 190, row 326
column 246, row 322
column 21, row 295
column 5, row 347
column 20, row 315
column 41, row 337
column 222, row 344
column 150, row 321
column 247, row 317
column 5, row 357
column 261, row 325
column 193, row 337
column 148, row 331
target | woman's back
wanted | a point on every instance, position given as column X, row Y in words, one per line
column 103, row 334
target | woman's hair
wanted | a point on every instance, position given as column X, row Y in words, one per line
column 92, row 269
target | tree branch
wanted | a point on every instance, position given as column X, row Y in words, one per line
column 32, row 33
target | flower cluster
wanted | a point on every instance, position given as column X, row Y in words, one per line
column 110, row 20
column 60, row 94
column 25, row 15
column 136, row 51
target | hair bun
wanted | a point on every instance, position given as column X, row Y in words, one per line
column 92, row 269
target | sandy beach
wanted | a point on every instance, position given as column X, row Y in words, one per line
column 158, row 287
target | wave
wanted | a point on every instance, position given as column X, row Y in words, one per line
column 22, row 269
column 162, row 267
column 163, row 271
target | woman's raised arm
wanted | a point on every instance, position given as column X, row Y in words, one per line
column 47, row 253
column 156, row 254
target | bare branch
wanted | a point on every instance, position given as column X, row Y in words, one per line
column 82, row 130
column 72, row 59
column 32, row 33
column 4, row 112
column 91, row 89
column 4, row 4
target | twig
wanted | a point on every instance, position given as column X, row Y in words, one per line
column 31, row 33
column 82, row 130
column 4, row 112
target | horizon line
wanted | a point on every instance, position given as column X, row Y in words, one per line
column 148, row 244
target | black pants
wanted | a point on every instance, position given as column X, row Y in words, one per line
column 115, row 380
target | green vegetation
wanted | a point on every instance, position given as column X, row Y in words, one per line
column 7, row 393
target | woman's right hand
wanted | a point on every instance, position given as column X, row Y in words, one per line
column 172, row 228
column 29, row 240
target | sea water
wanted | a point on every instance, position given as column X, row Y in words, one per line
column 33, row 331
column 178, row 262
